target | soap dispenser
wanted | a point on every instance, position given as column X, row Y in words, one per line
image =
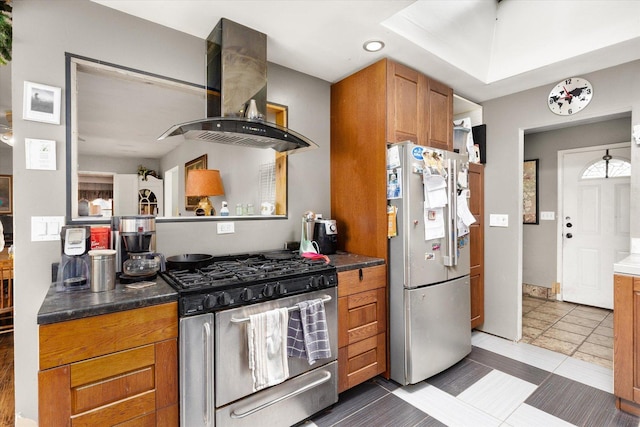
column 224, row 210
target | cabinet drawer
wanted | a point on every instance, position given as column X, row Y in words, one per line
column 361, row 361
column 362, row 279
column 118, row 412
column 361, row 316
column 75, row 340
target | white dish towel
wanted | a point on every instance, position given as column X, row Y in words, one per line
column 267, row 339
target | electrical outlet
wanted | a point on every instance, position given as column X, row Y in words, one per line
column 226, row 227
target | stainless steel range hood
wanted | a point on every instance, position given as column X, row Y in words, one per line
column 237, row 94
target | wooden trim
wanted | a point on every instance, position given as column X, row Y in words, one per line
column 281, row 114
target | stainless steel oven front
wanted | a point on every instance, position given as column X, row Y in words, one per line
column 216, row 387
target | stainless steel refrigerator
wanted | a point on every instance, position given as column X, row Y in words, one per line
column 429, row 290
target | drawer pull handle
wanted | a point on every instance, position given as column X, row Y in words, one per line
column 325, row 377
column 361, row 275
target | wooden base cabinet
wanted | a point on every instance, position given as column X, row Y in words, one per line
column 112, row 369
column 626, row 345
column 476, row 241
column 362, row 325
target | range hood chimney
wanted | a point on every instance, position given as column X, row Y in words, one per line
column 237, row 94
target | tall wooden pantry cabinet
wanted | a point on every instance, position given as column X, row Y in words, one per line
column 385, row 102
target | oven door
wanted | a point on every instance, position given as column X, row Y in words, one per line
column 233, row 377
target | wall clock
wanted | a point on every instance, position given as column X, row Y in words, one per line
column 570, row 96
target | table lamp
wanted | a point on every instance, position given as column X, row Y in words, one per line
column 204, row 183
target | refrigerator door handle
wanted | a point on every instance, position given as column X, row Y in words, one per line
column 452, row 254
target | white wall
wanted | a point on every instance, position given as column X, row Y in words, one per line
column 43, row 32
column 539, row 240
column 616, row 90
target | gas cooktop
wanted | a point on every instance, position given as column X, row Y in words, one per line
column 235, row 280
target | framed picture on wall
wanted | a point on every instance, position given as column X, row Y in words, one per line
column 6, row 194
column 191, row 203
column 530, row 192
column 41, row 103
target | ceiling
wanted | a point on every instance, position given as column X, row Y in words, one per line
column 484, row 49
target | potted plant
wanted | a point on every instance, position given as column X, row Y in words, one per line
column 6, row 31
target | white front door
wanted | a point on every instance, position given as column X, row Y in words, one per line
column 595, row 226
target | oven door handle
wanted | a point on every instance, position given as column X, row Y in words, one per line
column 324, row 299
column 208, row 365
column 325, row 377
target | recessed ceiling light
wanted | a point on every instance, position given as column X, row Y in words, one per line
column 373, row 45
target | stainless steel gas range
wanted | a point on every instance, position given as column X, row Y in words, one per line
column 215, row 302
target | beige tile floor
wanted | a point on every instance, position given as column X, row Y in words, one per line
column 579, row 331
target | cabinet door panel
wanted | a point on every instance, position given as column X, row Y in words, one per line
column 403, row 104
column 54, row 396
column 623, row 316
column 167, row 373
column 440, row 116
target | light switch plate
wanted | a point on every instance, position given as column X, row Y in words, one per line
column 226, row 227
column 547, row 216
column 498, row 220
column 46, row 228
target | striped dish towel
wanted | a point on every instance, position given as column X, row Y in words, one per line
column 308, row 335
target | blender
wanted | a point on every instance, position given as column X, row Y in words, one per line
column 306, row 243
column 74, row 271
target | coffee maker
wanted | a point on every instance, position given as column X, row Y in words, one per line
column 74, row 271
column 135, row 243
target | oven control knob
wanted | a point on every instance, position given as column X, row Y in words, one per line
column 209, row 301
column 267, row 291
column 246, row 295
column 224, row 298
column 314, row 282
column 280, row 289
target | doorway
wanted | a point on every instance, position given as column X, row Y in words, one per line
column 594, row 222
column 577, row 330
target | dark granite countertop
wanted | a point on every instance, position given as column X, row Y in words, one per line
column 62, row 306
column 344, row 261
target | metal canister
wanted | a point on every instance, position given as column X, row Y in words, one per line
column 103, row 270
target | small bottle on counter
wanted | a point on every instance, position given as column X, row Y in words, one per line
column 224, row 210
column 239, row 209
column 250, row 210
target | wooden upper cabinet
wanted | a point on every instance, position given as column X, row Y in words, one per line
column 406, row 102
column 440, row 116
column 419, row 109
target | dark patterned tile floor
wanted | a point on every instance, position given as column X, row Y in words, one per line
column 500, row 383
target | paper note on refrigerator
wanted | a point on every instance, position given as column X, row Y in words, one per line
column 464, row 213
column 435, row 191
column 433, row 223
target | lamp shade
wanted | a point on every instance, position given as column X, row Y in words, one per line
column 204, row 182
